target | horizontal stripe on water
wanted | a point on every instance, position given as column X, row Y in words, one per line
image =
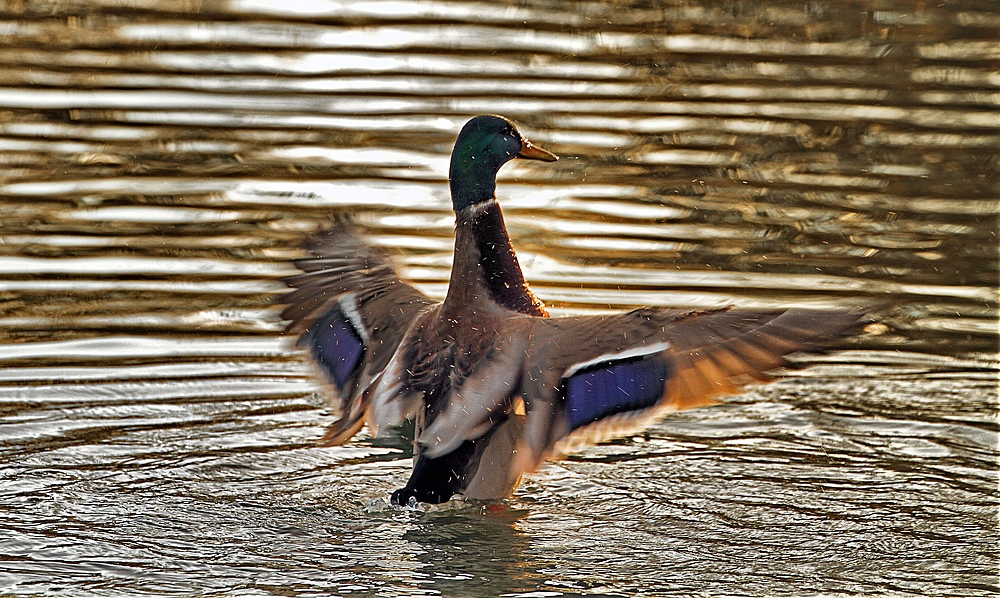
column 184, row 100
column 128, row 347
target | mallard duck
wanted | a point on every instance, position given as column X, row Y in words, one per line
column 495, row 385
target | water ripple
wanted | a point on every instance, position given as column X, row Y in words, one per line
column 162, row 166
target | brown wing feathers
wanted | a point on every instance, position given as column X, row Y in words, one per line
column 718, row 354
column 708, row 355
column 352, row 284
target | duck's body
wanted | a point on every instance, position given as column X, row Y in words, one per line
column 495, row 385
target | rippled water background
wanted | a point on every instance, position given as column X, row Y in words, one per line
column 160, row 163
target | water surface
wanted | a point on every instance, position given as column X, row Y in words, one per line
column 160, row 167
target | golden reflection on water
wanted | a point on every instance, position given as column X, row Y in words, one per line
column 159, row 169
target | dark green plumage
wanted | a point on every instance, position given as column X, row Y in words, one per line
column 484, row 145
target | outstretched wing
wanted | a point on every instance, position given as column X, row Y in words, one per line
column 351, row 310
column 679, row 361
column 590, row 379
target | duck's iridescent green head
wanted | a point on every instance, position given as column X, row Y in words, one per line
column 485, row 144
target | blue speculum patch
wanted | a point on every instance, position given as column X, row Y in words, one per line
column 610, row 388
column 337, row 346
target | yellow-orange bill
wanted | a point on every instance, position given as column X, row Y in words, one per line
column 532, row 152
